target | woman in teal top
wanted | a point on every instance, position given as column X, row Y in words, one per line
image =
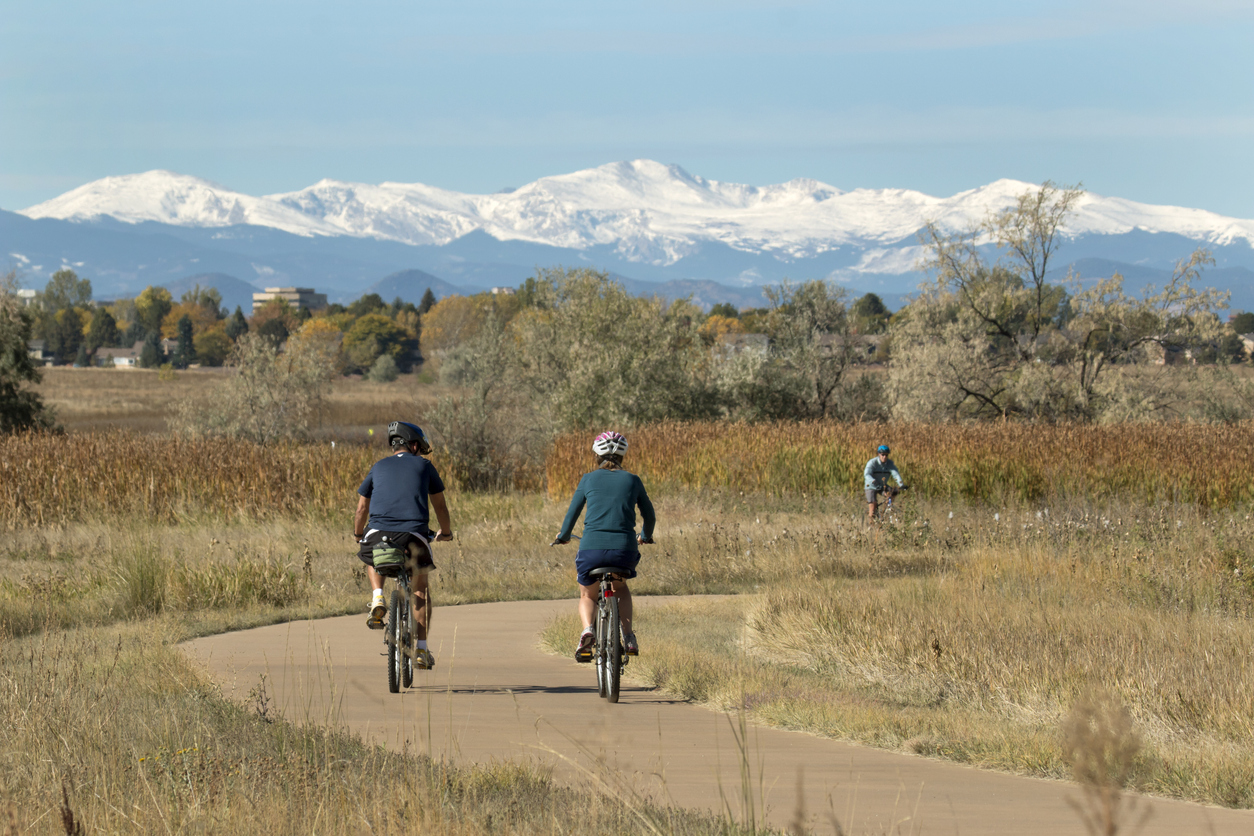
column 611, row 495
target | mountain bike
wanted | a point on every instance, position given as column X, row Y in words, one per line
column 609, row 658
column 884, row 513
column 399, row 635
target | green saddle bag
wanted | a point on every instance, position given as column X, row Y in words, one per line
column 386, row 555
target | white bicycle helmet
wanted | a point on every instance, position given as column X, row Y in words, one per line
column 609, row 444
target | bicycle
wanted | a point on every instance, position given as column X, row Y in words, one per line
column 885, row 511
column 399, row 635
column 608, row 656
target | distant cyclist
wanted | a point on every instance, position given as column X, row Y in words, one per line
column 393, row 502
column 609, row 534
column 875, row 478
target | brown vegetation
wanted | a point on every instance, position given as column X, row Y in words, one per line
column 141, row 400
column 1207, row 464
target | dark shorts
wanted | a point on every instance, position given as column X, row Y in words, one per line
column 418, row 549
column 588, row 559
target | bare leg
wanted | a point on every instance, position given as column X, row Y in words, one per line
column 624, row 605
column 588, row 603
column 870, row 512
column 376, row 580
column 422, row 607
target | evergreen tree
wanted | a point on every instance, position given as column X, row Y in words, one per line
column 80, row 359
column 368, row 304
column 20, row 408
column 135, row 333
column 185, row 353
column 151, row 356
column 870, row 314
column 103, row 330
column 236, row 325
column 66, row 335
column 427, row 302
column 276, row 329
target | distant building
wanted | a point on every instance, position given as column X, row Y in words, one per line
column 26, row 295
column 125, row 358
column 38, row 351
column 297, row 297
column 503, row 291
column 1247, row 342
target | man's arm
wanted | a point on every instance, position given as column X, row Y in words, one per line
column 441, row 515
column 362, row 515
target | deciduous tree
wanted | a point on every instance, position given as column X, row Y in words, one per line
column 1001, row 339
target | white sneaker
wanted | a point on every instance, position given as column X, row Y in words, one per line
column 377, row 611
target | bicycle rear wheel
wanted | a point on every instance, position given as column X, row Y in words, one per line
column 613, row 659
column 395, row 641
column 408, row 643
column 601, row 627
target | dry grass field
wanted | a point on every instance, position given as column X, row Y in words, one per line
column 1029, row 569
column 144, row 400
column 972, row 638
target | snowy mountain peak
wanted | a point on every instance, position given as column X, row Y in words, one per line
column 643, row 210
column 176, row 199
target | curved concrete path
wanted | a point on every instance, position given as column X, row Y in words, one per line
column 495, row 696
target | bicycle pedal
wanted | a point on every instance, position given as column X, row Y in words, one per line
column 373, row 624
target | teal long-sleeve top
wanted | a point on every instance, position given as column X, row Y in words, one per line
column 611, row 497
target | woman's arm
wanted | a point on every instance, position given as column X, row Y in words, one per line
column 572, row 514
column 647, row 517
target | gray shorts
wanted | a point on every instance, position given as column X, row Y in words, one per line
column 871, row 496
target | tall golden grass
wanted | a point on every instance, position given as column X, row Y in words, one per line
column 1205, row 464
column 50, row 479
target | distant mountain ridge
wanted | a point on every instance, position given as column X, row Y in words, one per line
column 652, row 225
column 646, row 211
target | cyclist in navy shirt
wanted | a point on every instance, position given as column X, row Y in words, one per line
column 395, row 500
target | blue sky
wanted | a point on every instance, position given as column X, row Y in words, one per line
column 1144, row 99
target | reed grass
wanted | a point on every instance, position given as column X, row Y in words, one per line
column 1006, row 463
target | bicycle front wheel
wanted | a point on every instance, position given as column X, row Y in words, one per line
column 613, row 659
column 395, row 639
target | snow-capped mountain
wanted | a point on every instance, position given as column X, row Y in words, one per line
column 643, row 211
column 656, row 227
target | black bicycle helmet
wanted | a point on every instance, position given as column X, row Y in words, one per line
column 409, row 433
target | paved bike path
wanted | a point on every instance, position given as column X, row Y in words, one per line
column 495, row 696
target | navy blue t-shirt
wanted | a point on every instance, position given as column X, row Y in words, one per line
column 397, row 488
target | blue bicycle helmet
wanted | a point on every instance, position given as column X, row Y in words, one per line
column 883, row 448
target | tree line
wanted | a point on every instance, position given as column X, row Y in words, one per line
column 992, row 333
column 77, row 331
